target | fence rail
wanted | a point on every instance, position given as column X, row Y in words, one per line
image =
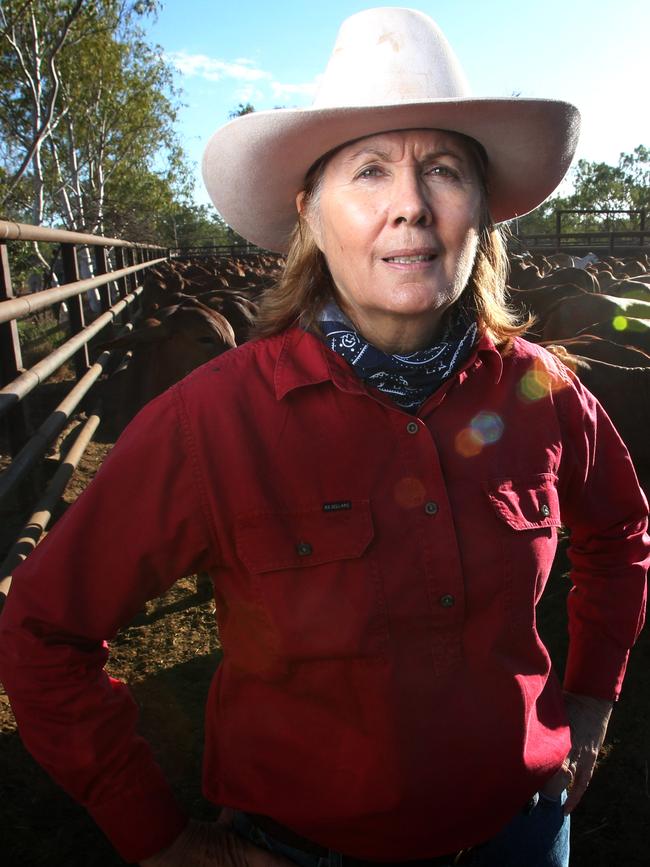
column 25, row 232
column 119, row 267
column 220, row 250
column 624, row 242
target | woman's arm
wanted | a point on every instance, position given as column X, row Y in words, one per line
column 588, row 719
column 135, row 530
column 208, row 844
column 606, row 513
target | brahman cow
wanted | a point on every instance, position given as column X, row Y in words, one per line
column 624, row 393
column 164, row 349
column 571, row 315
column 600, row 349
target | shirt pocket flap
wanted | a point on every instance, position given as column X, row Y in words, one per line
column 269, row 541
column 526, row 503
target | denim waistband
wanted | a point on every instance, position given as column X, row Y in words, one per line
column 270, row 832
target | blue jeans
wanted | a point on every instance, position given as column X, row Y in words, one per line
column 536, row 837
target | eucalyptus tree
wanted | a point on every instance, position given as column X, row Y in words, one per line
column 83, row 93
column 598, row 186
column 87, row 113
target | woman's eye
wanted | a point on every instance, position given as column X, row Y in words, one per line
column 443, row 172
column 369, row 172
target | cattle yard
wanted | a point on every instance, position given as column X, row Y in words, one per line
column 606, row 241
column 143, row 320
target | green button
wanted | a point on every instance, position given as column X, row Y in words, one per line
column 412, row 427
column 447, row 601
column 303, row 549
column 545, row 510
column 431, row 508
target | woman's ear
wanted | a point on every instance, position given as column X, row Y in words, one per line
column 310, row 215
column 300, row 199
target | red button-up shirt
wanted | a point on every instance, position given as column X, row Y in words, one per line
column 384, row 691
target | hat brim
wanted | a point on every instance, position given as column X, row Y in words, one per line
column 255, row 166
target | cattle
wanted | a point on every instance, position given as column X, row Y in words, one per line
column 192, row 310
column 598, row 348
column 573, row 315
column 158, row 284
column 238, row 310
column 603, row 338
column 540, row 299
column 627, row 332
column 164, row 349
column 579, row 277
column 624, row 392
column 630, row 288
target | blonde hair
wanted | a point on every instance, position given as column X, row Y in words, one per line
column 306, row 285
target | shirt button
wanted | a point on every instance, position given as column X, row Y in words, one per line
column 412, row 427
column 431, row 508
column 447, row 601
column 303, row 549
column 545, row 510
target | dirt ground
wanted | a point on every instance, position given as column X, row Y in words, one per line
column 168, row 656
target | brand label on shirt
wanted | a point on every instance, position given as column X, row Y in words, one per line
column 337, row 507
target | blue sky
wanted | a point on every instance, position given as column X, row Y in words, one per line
column 271, row 53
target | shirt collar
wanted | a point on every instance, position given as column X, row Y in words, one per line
column 305, row 360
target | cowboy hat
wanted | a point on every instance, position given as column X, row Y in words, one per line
column 390, row 69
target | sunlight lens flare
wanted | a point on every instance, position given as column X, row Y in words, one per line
column 484, row 429
column 538, row 382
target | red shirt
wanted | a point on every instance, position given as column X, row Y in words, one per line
column 383, row 691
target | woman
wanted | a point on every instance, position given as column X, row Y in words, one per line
column 375, row 484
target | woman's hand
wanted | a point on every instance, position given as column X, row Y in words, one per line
column 211, row 844
column 588, row 718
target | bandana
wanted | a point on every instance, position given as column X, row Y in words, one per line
column 408, row 379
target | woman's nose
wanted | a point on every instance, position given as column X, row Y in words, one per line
column 410, row 201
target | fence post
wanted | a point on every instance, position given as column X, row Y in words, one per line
column 121, row 283
column 11, row 361
column 75, row 307
column 130, row 260
column 101, row 267
column 642, row 226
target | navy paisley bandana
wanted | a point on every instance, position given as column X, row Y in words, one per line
column 407, row 379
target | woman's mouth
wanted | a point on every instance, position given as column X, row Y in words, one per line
column 409, row 260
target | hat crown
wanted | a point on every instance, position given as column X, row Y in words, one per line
column 390, row 55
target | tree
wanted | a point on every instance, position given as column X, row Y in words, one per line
column 241, row 110
column 598, row 187
column 88, row 116
column 120, row 138
column 193, row 226
column 30, row 106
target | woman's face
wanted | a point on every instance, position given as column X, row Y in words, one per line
column 397, row 219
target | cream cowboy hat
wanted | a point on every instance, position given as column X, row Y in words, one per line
column 390, row 69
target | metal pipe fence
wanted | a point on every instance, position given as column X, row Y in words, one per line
column 624, row 243
column 119, row 267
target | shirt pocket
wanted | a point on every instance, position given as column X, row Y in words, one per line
column 528, row 503
column 527, row 510
column 314, row 573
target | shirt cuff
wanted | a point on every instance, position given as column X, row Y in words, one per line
column 142, row 822
column 595, row 669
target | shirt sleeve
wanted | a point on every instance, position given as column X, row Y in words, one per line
column 605, row 512
column 136, row 529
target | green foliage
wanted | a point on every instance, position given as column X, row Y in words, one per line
column 598, row 187
column 109, row 159
column 241, row 109
column 195, row 226
column 25, row 264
